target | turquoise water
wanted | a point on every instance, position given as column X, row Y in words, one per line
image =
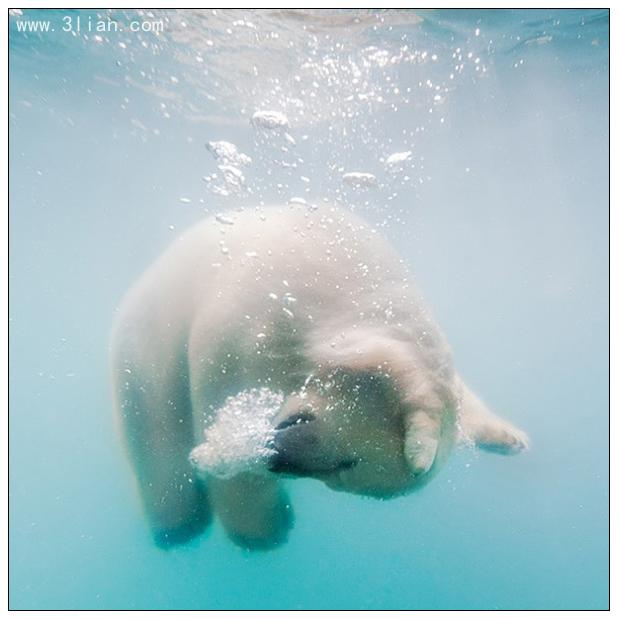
column 501, row 209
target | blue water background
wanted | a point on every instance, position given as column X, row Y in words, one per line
column 504, row 221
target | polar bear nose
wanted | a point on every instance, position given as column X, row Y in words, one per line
column 294, row 443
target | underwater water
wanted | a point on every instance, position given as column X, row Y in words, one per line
column 485, row 135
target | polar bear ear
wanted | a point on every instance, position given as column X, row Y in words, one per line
column 479, row 426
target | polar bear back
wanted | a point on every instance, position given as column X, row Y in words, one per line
column 323, row 271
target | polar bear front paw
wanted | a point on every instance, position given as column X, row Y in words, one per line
column 255, row 511
column 421, row 442
column 268, row 537
column 421, row 454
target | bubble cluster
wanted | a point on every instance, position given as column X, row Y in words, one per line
column 314, row 95
column 333, row 104
column 238, row 439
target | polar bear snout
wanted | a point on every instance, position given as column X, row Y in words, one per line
column 297, row 449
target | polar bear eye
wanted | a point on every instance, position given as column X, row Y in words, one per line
column 302, row 416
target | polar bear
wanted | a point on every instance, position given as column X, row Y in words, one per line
column 313, row 304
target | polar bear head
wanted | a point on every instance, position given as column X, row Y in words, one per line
column 375, row 418
column 378, row 418
column 359, row 425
